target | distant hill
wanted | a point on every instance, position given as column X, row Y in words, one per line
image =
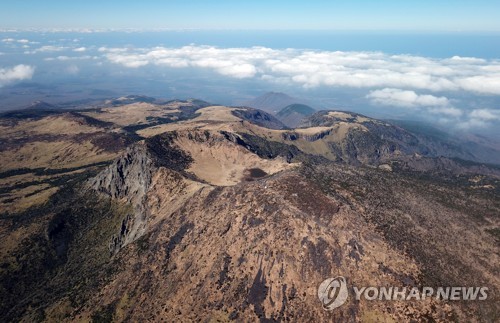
column 40, row 105
column 273, row 102
column 293, row 114
column 260, row 118
column 130, row 99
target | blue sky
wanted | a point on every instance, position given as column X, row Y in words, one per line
column 423, row 15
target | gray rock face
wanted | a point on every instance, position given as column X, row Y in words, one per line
column 128, row 179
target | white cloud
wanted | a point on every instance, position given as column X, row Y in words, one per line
column 469, row 60
column 50, row 48
column 16, row 73
column 480, row 118
column 485, row 114
column 70, row 58
column 12, row 40
column 406, row 98
column 489, row 84
column 447, row 111
column 237, row 63
column 113, row 50
column 47, row 49
column 80, row 49
column 325, row 68
column 471, row 124
column 426, row 103
column 132, row 61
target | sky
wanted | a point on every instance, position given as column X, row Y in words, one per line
column 391, row 15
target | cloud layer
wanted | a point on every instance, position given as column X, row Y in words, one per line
column 325, row 68
column 480, row 118
column 458, row 91
column 16, row 73
column 411, row 100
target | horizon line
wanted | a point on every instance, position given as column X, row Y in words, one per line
column 163, row 29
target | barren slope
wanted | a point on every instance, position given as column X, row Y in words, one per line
column 221, row 214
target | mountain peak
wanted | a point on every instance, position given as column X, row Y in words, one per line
column 273, row 101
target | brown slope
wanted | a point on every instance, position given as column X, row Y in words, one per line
column 171, row 238
column 258, row 250
column 252, row 251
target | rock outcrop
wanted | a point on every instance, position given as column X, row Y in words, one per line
column 128, row 179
